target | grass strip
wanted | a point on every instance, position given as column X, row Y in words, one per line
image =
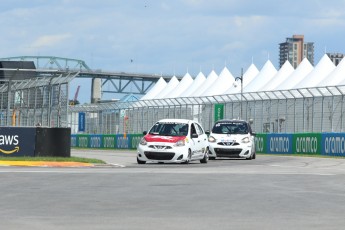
column 54, row 159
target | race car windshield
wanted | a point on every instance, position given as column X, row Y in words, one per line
column 230, row 128
column 169, row 129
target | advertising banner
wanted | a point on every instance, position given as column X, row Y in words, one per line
column 218, row 112
column 333, row 144
column 95, row 141
column 73, row 140
column 307, row 143
column 109, row 141
column 17, row 141
column 13, row 143
column 134, row 140
column 83, row 140
column 280, row 143
column 122, row 141
column 261, row 143
column 81, row 122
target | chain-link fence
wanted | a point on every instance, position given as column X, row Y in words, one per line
column 299, row 110
column 41, row 99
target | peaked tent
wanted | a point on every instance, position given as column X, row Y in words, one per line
column 321, row 70
column 248, row 76
column 336, row 77
column 223, row 83
column 186, row 81
column 265, row 75
column 300, row 72
column 198, row 81
column 160, row 84
column 168, row 88
column 212, row 77
column 284, row 72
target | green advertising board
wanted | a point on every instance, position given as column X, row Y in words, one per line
column 83, row 140
column 307, row 143
column 109, row 141
column 134, row 140
column 261, row 143
column 218, row 112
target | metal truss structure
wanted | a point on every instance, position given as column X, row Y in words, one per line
column 112, row 82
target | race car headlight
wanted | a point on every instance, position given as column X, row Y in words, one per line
column 211, row 139
column 245, row 140
column 143, row 141
column 180, row 143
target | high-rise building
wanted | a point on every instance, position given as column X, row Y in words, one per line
column 336, row 57
column 294, row 50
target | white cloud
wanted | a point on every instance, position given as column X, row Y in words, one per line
column 50, row 40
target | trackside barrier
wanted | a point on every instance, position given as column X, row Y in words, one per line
column 328, row 144
column 122, row 141
column 307, row 143
column 118, row 141
column 333, row 144
column 35, row 142
column 108, row 141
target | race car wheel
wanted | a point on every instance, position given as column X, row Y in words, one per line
column 140, row 161
column 205, row 159
column 189, row 157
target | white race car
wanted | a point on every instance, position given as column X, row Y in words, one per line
column 233, row 139
column 173, row 140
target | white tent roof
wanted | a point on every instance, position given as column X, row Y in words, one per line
column 265, row 75
column 300, row 72
column 198, row 81
column 185, row 82
column 223, row 83
column 281, row 76
column 212, row 77
column 160, row 84
column 248, row 76
column 168, row 88
column 336, row 77
column 321, row 70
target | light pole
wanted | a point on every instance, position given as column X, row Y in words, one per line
column 241, row 79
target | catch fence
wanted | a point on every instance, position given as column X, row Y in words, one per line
column 39, row 99
column 318, row 109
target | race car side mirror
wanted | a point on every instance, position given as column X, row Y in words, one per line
column 194, row 135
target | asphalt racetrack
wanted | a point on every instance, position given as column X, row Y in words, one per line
column 271, row 192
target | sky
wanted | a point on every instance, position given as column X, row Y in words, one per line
column 167, row 36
